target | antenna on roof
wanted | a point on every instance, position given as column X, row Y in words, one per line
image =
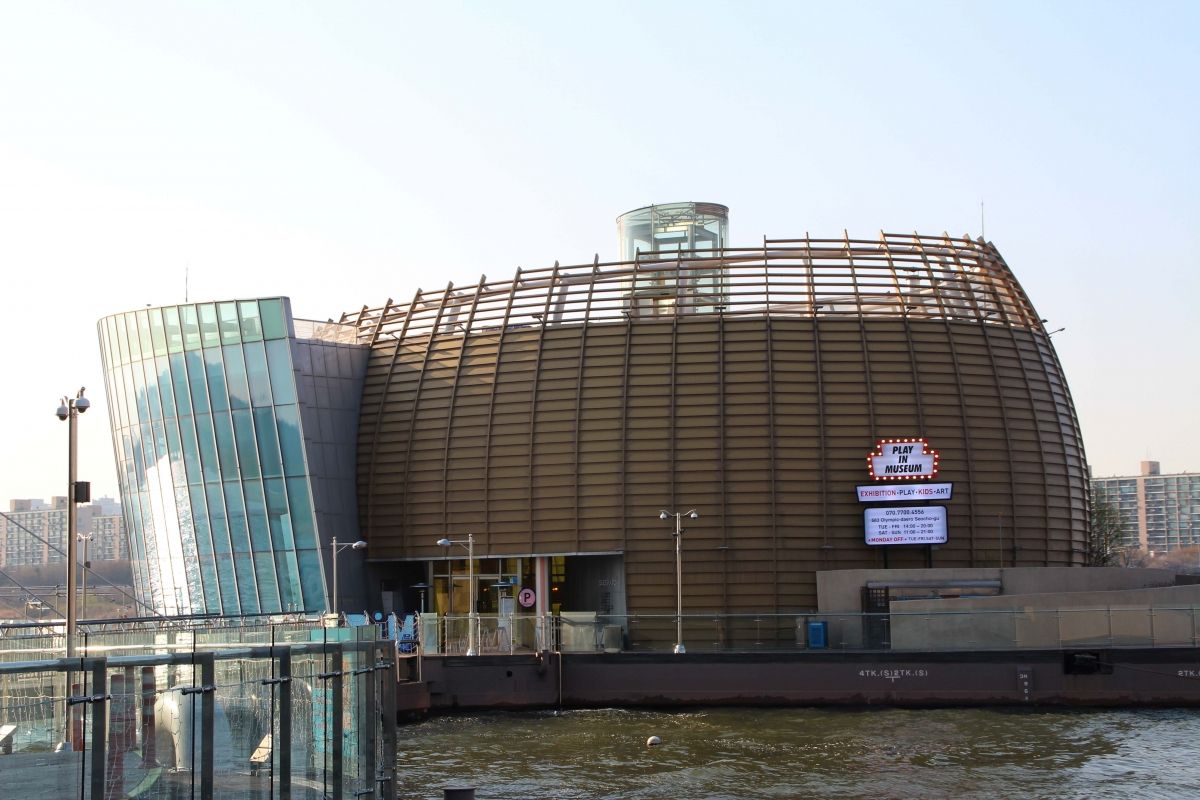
column 186, row 267
column 982, row 229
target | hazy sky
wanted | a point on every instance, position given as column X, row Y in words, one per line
column 344, row 153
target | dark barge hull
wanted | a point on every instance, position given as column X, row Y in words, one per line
column 1114, row 677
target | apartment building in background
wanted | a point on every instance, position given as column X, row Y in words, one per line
column 33, row 532
column 1157, row 513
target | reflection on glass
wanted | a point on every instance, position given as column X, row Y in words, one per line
column 174, row 332
column 235, row 376
column 214, row 373
column 291, row 597
column 310, row 578
column 247, row 450
column 211, row 457
column 274, row 321
column 235, row 511
column 256, row 516
column 227, row 321
column 196, row 381
column 264, row 575
column 226, row 450
column 206, row 437
column 142, row 335
column 158, row 336
column 269, row 456
column 209, row 336
column 166, row 395
column 283, row 382
column 181, row 395
column 151, row 382
column 191, row 327
column 291, row 442
column 257, row 374
column 303, row 524
column 251, row 324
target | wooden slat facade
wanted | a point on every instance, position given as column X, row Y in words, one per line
column 551, row 414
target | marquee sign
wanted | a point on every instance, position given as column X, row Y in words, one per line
column 906, row 525
column 902, row 459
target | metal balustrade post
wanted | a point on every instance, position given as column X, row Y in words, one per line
column 208, row 705
column 284, row 748
column 335, row 746
column 99, row 709
column 368, row 719
column 149, row 759
column 387, row 698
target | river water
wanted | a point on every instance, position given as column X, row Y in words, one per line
column 799, row 753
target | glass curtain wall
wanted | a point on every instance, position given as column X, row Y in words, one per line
column 210, row 457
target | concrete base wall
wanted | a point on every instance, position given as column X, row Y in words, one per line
column 840, row 591
column 1163, row 616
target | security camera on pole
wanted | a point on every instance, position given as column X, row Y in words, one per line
column 77, row 492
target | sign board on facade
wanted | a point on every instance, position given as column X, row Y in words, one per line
column 902, row 459
column 895, row 493
column 906, row 525
column 527, row 597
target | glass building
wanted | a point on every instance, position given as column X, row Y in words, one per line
column 234, row 428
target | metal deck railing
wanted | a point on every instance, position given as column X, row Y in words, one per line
column 306, row 714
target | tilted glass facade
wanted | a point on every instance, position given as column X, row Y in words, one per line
column 210, row 449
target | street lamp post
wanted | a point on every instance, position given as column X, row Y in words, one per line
column 472, row 613
column 68, row 410
column 664, row 515
column 336, row 548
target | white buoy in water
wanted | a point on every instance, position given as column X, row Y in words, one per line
column 653, row 741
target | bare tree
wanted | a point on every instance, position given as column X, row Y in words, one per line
column 1185, row 560
column 1132, row 557
column 1104, row 539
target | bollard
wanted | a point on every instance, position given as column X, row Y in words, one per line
column 458, row 793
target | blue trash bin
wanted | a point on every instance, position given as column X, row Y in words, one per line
column 818, row 634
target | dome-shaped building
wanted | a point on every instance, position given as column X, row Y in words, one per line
column 553, row 415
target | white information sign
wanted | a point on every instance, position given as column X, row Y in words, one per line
column 906, row 525
column 897, row 492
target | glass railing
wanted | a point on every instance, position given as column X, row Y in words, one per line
column 912, row 631
column 194, row 716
